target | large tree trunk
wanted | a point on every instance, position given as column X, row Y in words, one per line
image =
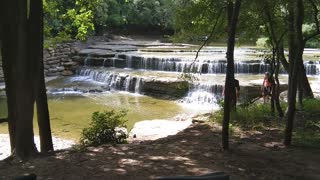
column 295, row 57
column 233, row 14
column 20, row 78
column 36, row 44
column 7, row 48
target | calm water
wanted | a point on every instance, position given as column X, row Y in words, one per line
column 71, row 113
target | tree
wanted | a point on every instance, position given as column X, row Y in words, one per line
column 18, row 77
column 36, row 56
column 233, row 9
column 295, row 21
column 23, row 69
column 272, row 18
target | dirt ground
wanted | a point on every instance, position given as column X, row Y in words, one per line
column 194, row 151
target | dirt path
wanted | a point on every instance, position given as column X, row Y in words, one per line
column 195, row 150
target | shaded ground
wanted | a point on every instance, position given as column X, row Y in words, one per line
column 191, row 152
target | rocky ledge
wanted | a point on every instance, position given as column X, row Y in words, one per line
column 58, row 61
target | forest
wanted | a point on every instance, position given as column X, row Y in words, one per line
column 160, row 89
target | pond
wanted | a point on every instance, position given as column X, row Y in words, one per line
column 70, row 111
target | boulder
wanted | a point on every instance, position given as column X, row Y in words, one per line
column 163, row 88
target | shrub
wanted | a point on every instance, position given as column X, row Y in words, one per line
column 105, row 127
column 248, row 117
column 311, row 105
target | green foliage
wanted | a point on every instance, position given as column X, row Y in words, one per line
column 263, row 42
column 307, row 132
column 53, row 41
column 308, row 138
column 75, row 18
column 249, row 117
column 189, row 77
column 311, row 105
column 196, row 18
column 81, row 23
column 105, row 127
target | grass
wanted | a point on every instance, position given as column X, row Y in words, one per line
column 307, row 130
column 257, row 117
column 252, row 117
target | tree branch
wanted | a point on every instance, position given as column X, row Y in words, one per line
column 209, row 37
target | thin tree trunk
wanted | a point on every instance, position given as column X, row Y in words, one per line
column 277, row 85
column 233, row 14
column 36, row 32
column 303, row 79
column 295, row 45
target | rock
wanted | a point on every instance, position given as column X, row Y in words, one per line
column 52, row 70
column 175, row 88
column 50, row 74
column 46, row 66
column 121, row 132
column 96, row 53
column 60, row 68
column 68, row 64
column 67, row 73
column 155, row 129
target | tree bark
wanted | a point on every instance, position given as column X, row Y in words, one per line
column 295, row 56
column 276, row 41
column 36, row 49
column 19, row 78
column 277, row 84
column 233, row 15
column 6, row 49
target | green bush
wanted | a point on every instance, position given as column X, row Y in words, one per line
column 311, row 105
column 105, row 127
column 249, row 117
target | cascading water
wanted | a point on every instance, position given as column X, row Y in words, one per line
column 203, row 96
column 114, row 81
column 128, row 61
column 138, row 85
column 312, row 68
column 191, row 66
column 87, row 60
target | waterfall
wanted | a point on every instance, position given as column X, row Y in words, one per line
column 128, row 61
column 138, row 86
column 217, row 67
column 188, row 65
column 113, row 81
column 104, row 62
column 203, row 96
column 127, row 83
column 87, row 60
column 312, row 68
